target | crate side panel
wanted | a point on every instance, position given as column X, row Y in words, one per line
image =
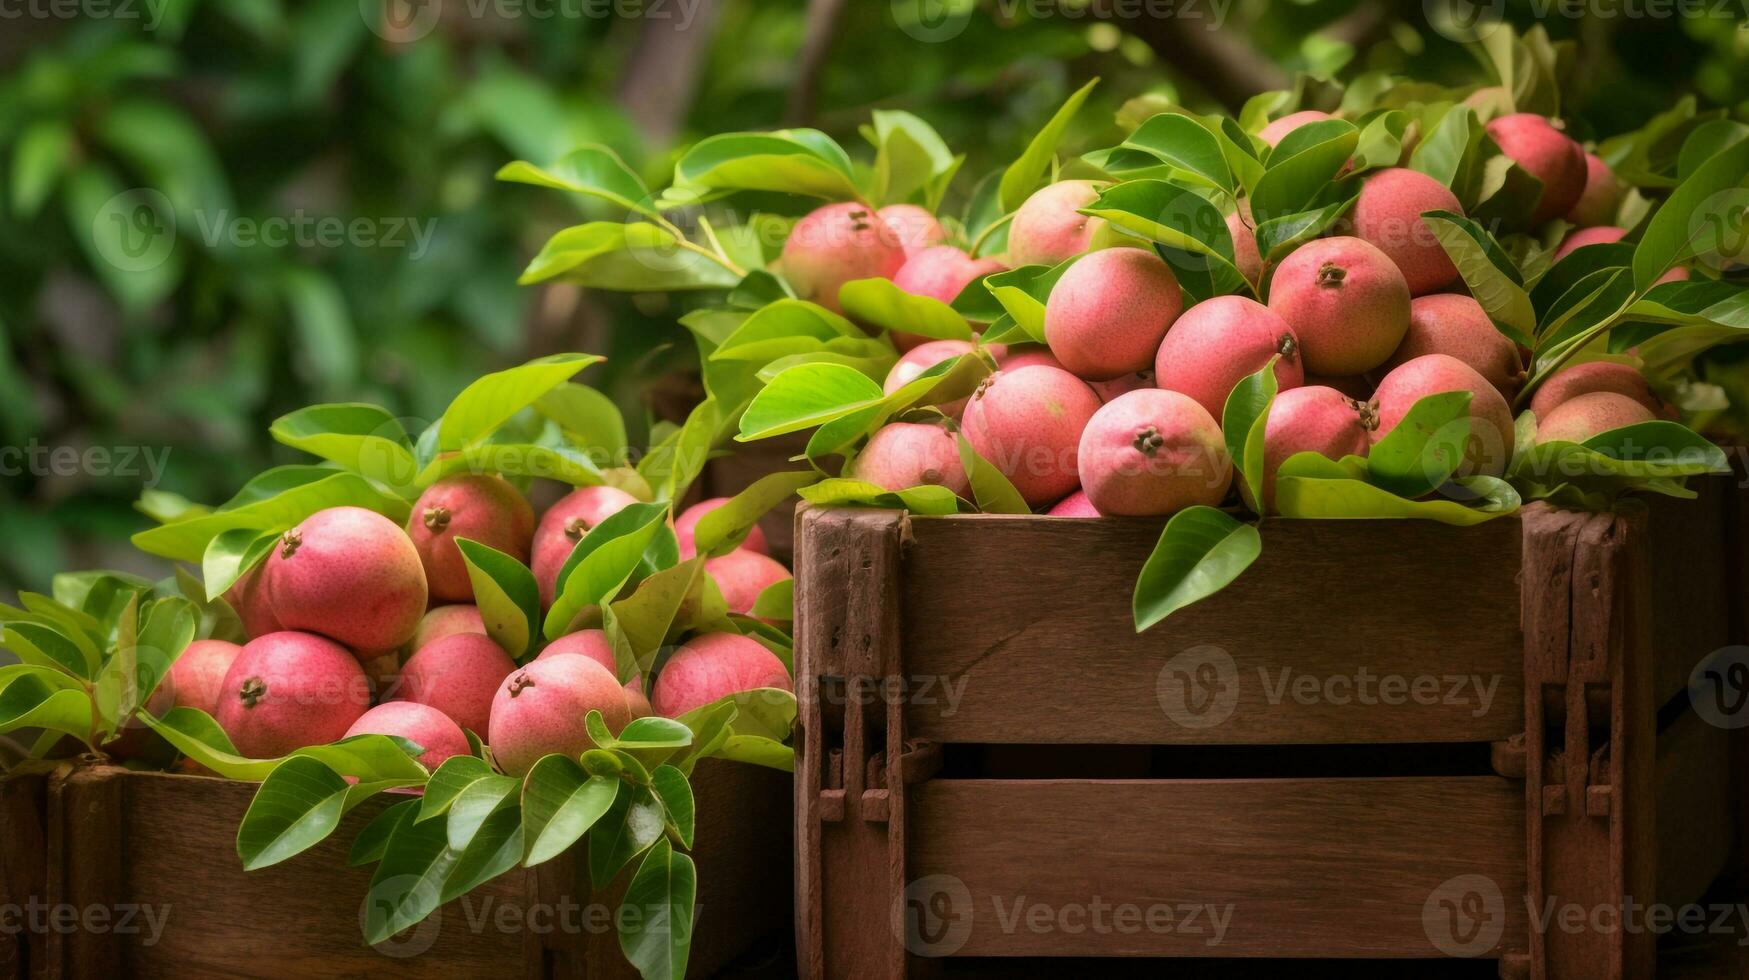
column 1020, row 630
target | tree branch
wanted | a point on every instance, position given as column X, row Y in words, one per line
column 804, row 94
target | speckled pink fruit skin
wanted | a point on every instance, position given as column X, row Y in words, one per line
column 1048, row 227
column 1583, row 379
column 315, row 690
column 713, row 666
column 939, row 272
column 834, row 244
column 564, row 524
column 908, row 454
column 1491, row 435
column 920, row 359
column 741, row 575
column 915, row 227
column 1548, row 155
column 583, row 643
column 480, row 507
column 1123, row 385
column 1601, row 198
column 1246, row 258
column 197, row 678
column 457, row 675
column 1220, row 341
column 1188, row 467
column 543, row 707
column 1027, row 423
column 447, row 621
column 1388, row 215
column 686, row 528
column 1277, row 130
column 1074, row 505
column 249, row 599
column 1027, row 355
column 1578, row 239
column 1578, row 419
column 352, row 575
column 427, row 727
column 1446, row 323
column 1346, row 301
column 1106, row 315
column 1312, row 419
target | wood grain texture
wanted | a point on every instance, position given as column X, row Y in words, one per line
column 1690, row 553
column 1027, row 622
column 24, row 864
column 1307, row 867
column 1696, row 810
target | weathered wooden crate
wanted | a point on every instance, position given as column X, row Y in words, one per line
column 964, row 680
column 159, row 850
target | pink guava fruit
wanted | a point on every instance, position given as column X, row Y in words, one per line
column 197, row 678
column 351, row 575
column 1074, row 505
column 542, row 709
column 909, row 454
column 1447, row 323
column 920, row 359
column 835, row 244
column 915, row 227
column 1346, row 301
column 1388, row 215
column 1312, row 419
column 457, row 675
column 249, row 599
column 1027, row 355
column 713, row 666
column 1106, row 315
column 447, row 621
column 1027, row 423
column 595, row 645
column 1581, row 237
column 1279, row 128
column 425, row 726
column 741, row 575
column 1547, row 154
column 1246, row 258
column 939, row 272
column 1489, row 447
column 1220, row 341
column 1153, row 452
column 1583, row 379
column 287, row 690
column 567, row 522
column 1578, row 419
column 480, row 507
column 1049, row 228
column 686, row 527
column 1601, row 198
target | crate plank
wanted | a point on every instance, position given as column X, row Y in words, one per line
column 1309, row 867
column 1696, row 809
column 1026, row 622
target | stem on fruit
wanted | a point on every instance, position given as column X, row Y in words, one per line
column 289, row 542
column 436, row 519
column 1331, row 274
column 252, row 691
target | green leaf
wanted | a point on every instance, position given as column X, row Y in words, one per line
column 490, row 401
column 44, row 645
column 635, row 257
column 1187, row 145
column 29, row 701
column 1180, row 219
column 655, row 732
column 657, row 937
column 797, row 161
column 1310, row 486
column 456, row 774
column 878, row 302
column 1488, row 271
column 325, row 331
column 776, row 602
column 493, row 847
column 672, row 788
column 589, row 419
column 1245, row 421
column 1022, row 293
column 909, row 156
column 725, row 527
column 1024, row 175
column 365, row 439
column 408, row 883
column 990, row 489
column 805, row 396
column 507, row 596
column 373, row 840
column 1422, row 452
column 276, row 499
column 629, row 826
column 44, row 151
column 593, row 169
column 1300, row 166
column 1200, row 552
column 560, row 803
column 602, row 562
column 475, row 804
column 1682, row 222
column 917, row 500
column 297, row 806
column 644, row 619
column 232, row 553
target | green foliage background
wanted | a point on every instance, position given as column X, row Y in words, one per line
column 249, row 110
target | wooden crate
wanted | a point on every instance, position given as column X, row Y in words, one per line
column 961, row 678
column 133, row 843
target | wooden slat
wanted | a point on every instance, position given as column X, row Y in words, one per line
column 23, row 864
column 1306, row 867
column 1020, row 630
column 1689, row 555
column 1696, row 811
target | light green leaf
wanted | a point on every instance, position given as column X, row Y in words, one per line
column 635, row 257
column 657, row 937
column 1200, row 552
column 593, row 169
column 507, row 596
column 490, row 401
column 1024, row 175
column 297, row 806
